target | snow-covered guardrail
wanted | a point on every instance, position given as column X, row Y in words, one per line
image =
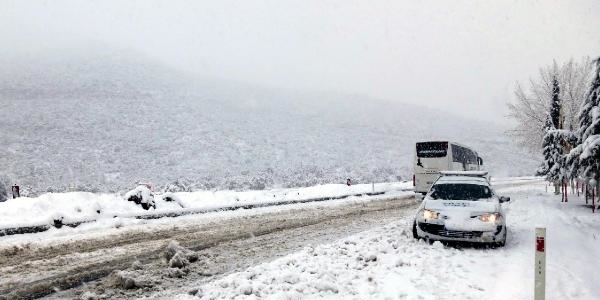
column 58, row 223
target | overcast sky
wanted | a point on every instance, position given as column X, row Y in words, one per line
column 461, row 56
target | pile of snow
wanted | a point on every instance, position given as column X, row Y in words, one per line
column 82, row 206
column 142, row 196
column 126, row 280
column 178, row 256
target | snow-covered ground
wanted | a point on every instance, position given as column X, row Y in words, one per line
column 387, row 263
column 82, row 206
column 34, row 263
column 325, row 250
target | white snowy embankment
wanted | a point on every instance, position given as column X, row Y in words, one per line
column 82, row 206
column 387, row 263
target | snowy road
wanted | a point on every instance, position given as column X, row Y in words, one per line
column 34, row 268
column 344, row 250
column 387, row 263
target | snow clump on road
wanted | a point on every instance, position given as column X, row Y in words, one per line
column 178, row 256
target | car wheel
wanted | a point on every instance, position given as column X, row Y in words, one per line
column 503, row 242
column 414, row 230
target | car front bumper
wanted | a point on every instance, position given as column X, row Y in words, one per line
column 439, row 232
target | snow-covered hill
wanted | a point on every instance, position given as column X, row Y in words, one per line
column 102, row 122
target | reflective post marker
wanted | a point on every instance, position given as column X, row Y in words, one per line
column 15, row 191
column 540, row 264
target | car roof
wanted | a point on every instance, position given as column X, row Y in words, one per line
column 463, row 179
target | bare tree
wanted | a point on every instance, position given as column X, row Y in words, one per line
column 531, row 104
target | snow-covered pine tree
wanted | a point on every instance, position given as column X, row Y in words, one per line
column 551, row 151
column 554, row 138
column 547, row 163
column 555, row 160
column 590, row 129
column 555, row 105
column 576, row 167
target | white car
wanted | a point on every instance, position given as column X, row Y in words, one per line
column 462, row 206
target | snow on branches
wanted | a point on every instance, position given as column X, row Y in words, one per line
column 569, row 81
column 553, row 145
column 585, row 157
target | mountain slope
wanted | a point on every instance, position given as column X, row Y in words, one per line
column 103, row 122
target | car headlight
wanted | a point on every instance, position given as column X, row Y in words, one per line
column 491, row 217
column 430, row 214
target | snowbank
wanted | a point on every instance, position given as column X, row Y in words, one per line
column 83, row 206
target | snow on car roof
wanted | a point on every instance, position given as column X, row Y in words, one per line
column 464, row 173
column 463, row 179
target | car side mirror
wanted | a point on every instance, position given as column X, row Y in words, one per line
column 419, row 197
column 504, row 199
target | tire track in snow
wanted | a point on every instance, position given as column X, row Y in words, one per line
column 45, row 269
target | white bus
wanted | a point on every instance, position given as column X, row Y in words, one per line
column 433, row 157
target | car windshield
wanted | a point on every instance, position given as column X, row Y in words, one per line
column 460, row 191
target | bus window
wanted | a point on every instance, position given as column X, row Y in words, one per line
column 458, row 154
column 432, row 149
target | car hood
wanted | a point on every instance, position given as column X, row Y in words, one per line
column 481, row 206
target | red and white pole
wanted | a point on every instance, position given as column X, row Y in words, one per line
column 16, row 193
column 540, row 264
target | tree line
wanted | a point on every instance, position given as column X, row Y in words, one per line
column 560, row 115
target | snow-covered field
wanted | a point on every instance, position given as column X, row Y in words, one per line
column 387, row 263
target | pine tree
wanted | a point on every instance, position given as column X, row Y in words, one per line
column 552, row 152
column 590, row 131
column 575, row 165
column 555, row 105
column 554, row 140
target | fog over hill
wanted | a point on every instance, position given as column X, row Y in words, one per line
column 103, row 122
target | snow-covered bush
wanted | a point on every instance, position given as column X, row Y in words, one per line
column 179, row 185
column 170, row 197
column 141, row 195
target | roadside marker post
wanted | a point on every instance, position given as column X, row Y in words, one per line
column 540, row 264
column 16, row 193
